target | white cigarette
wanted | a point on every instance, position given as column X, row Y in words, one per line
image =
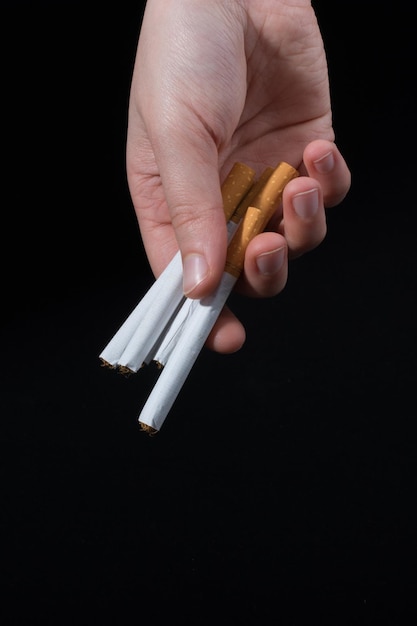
column 187, row 347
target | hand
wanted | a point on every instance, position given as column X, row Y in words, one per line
column 220, row 82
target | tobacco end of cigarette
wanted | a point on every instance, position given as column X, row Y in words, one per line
column 148, row 429
column 105, row 363
column 125, row 370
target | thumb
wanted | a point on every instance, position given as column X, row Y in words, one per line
column 188, row 166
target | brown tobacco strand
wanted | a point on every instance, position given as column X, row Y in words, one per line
column 148, row 429
column 235, row 187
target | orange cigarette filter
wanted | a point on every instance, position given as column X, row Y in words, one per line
column 258, row 214
column 236, row 186
column 248, row 199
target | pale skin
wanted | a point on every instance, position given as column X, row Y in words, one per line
column 214, row 83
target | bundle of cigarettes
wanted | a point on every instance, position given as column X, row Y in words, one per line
column 170, row 329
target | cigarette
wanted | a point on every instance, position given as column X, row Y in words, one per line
column 183, row 356
column 187, row 337
column 131, row 347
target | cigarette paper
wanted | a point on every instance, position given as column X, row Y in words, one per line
column 183, row 357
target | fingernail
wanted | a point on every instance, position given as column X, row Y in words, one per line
column 325, row 164
column 269, row 263
column 306, row 203
column 195, row 270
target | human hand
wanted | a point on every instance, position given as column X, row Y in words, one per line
column 217, row 83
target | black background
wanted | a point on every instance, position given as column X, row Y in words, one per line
column 282, row 487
